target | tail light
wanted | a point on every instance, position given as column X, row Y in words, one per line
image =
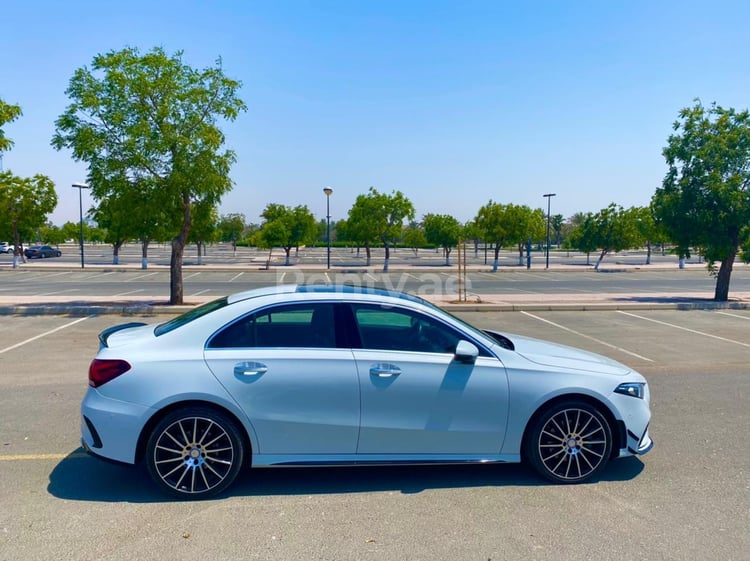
column 102, row 371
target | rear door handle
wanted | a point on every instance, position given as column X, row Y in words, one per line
column 250, row 369
column 384, row 370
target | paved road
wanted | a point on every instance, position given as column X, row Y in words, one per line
column 42, row 283
column 687, row 500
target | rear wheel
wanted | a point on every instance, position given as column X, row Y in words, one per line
column 195, row 453
column 571, row 442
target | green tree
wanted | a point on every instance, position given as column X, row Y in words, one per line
column 491, row 224
column 557, row 222
column 286, row 227
column 704, row 199
column 8, row 114
column 414, row 237
column 583, row 235
column 152, row 118
column 379, row 216
column 25, row 203
column 51, row 234
column 614, row 229
column 205, row 227
column 231, row 229
column 444, row 231
column 112, row 215
column 523, row 225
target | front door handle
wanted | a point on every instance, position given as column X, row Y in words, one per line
column 384, row 370
column 250, row 369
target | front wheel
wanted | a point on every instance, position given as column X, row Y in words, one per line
column 194, row 453
column 571, row 442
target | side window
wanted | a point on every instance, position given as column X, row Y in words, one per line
column 294, row 325
column 403, row 330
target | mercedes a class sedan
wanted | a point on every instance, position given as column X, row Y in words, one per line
column 321, row 375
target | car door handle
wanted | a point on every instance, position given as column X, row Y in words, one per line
column 250, row 369
column 384, row 370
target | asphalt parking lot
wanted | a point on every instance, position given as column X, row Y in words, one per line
column 688, row 499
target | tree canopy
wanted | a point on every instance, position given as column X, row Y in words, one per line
column 704, row 200
column 287, row 227
column 8, row 114
column 442, row 230
column 379, row 216
column 25, row 203
column 152, row 119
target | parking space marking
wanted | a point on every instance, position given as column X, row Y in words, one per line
column 140, row 277
column 574, row 332
column 238, row 275
column 201, row 292
column 28, row 457
column 191, row 276
column 50, row 332
column 59, row 292
column 667, row 324
column 126, row 293
column 733, row 315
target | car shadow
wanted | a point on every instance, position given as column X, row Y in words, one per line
column 80, row 477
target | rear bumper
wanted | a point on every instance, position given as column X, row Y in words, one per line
column 110, row 428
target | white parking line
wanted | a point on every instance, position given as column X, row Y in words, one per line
column 369, row 275
column 281, row 280
column 611, row 346
column 685, row 329
column 59, row 292
column 126, row 293
column 201, row 292
column 733, row 315
column 238, row 275
column 191, row 276
column 140, row 277
column 79, row 320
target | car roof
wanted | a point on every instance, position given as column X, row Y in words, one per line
column 321, row 289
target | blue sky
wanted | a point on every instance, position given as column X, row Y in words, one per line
column 452, row 103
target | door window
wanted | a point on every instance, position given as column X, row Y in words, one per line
column 294, row 325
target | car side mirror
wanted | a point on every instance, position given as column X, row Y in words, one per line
column 466, row 352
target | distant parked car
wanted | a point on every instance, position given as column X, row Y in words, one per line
column 5, row 247
column 41, row 251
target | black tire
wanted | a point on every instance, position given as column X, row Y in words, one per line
column 570, row 442
column 195, row 453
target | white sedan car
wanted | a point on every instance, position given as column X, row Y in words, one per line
column 322, row 375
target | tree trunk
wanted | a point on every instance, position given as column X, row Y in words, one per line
column 448, row 256
column 601, row 258
column 648, row 253
column 368, row 252
column 520, row 255
column 387, row 257
column 287, row 250
column 200, row 254
column 722, row 279
column 497, row 258
column 144, row 253
column 176, row 290
column 116, row 253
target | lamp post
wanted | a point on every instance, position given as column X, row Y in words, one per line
column 81, row 187
column 548, row 196
column 328, row 191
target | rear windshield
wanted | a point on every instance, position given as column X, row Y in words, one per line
column 189, row 316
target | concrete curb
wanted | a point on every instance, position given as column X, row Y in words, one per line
column 148, row 309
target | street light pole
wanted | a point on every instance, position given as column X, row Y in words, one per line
column 80, row 187
column 548, row 196
column 328, row 191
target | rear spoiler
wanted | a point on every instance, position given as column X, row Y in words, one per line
column 104, row 335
